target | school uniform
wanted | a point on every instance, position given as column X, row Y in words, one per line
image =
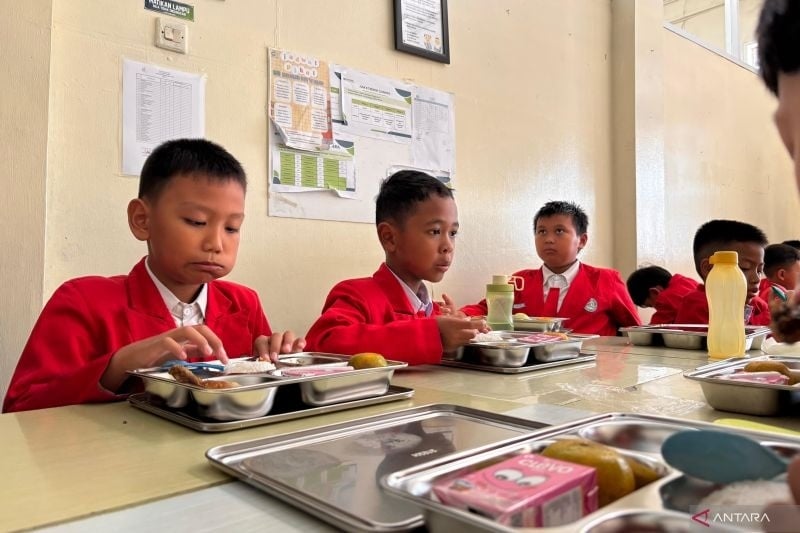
column 670, row 299
column 87, row 320
column 694, row 309
column 595, row 301
column 765, row 290
column 375, row 315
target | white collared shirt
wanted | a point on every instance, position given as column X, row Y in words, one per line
column 191, row 314
column 559, row 281
column 421, row 300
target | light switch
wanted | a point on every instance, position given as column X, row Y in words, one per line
column 172, row 35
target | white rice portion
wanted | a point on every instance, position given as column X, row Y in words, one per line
column 488, row 337
column 761, row 492
column 249, row 367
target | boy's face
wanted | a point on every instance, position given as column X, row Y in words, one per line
column 751, row 262
column 423, row 247
column 557, row 243
column 787, row 117
column 192, row 231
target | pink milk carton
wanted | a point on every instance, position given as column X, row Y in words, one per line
column 527, row 490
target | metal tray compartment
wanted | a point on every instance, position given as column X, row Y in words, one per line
column 332, row 472
column 649, row 508
column 538, row 323
column 288, row 406
column 759, row 399
column 255, row 396
column 513, row 351
column 688, row 336
column 530, row 367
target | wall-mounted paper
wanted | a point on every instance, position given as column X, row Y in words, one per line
column 158, row 104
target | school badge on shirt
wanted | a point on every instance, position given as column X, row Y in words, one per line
column 591, row 305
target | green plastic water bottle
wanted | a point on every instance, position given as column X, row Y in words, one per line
column 726, row 291
column 500, row 302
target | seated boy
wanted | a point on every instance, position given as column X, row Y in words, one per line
column 190, row 210
column 654, row 286
column 749, row 242
column 781, row 270
column 391, row 312
column 593, row 299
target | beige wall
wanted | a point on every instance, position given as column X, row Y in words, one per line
column 723, row 157
column 532, row 81
column 25, row 65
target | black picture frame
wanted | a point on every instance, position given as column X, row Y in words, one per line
column 416, row 31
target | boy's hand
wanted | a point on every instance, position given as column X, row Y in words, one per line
column 457, row 331
column 179, row 343
column 447, row 307
column 268, row 348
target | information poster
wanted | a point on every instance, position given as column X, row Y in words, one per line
column 299, row 103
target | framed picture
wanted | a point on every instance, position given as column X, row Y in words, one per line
column 420, row 28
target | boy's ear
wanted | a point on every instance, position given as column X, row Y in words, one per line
column 139, row 219
column 582, row 240
column 387, row 235
column 780, row 274
column 653, row 292
column 705, row 267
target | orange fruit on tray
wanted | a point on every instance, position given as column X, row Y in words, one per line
column 367, row 360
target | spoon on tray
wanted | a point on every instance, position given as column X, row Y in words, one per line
column 721, row 457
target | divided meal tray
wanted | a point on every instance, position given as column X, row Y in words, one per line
column 666, row 504
column 750, row 398
column 333, row 471
column 532, row 367
column 688, row 336
column 257, row 393
column 285, row 409
column 514, row 354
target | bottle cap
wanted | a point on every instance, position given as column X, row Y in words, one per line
column 500, row 284
column 728, row 258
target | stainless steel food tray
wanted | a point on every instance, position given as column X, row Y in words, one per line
column 255, row 396
column 742, row 397
column 287, row 411
column 688, row 336
column 538, row 323
column 332, row 472
column 514, row 351
column 664, row 505
column 533, row 367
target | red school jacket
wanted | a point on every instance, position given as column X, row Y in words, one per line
column 374, row 315
column 88, row 319
column 671, row 298
column 597, row 301
column 694, row 309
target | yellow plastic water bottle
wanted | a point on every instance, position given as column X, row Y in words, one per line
column 726, row 290
column 500, row 302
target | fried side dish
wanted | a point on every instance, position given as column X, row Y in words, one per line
column 785, row 321
column 184, row 375
column 773, row 366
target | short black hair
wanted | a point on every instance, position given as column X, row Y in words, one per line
column 778, row 34
column 777, row 256
column 645, row 278
column 187, row 157
column 716, row 235
column 402, row 191
column 794, row 243
column 571, row 209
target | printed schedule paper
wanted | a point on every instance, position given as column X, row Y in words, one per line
column 158, row 104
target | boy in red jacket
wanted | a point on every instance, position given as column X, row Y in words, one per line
column 781, row 270
column 594, row 299
column 189, row 210
column 749, row 242
column 391, row 312
column 654, row 286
